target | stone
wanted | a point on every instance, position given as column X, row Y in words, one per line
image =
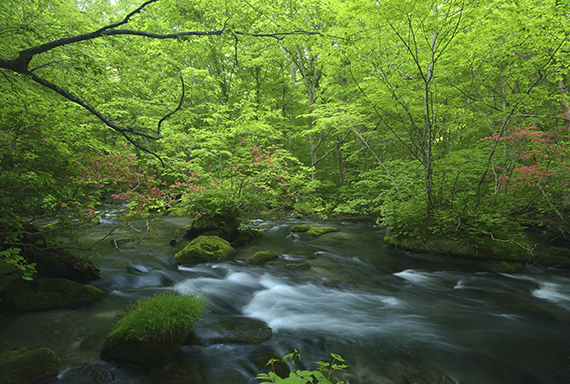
column 263, row 257
column 27, row 365
column 45, row 293
column 318, row 231
column 300, row 228
column 87, row 374
column 204, row 249
column 239, row 330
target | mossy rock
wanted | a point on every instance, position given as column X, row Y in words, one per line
column 239, row 330
column 152, row 330
column 27, row 365
column 47, row 293
column 507, row 267
column 306, row 253
column 295, row 265
column 87, row 374
column 182, row 231
column 246, row 235
column 553, row 257
column 263, row 257
column 300, row 228
column 204, row 249
column 60, row 263
column 181, row 372
column 318, row 231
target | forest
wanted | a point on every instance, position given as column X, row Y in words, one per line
column 445, row 122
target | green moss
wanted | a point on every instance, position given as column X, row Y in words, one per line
column 177, row 212
column 48, row 293
column 152, row 330
column 300, row 228
column 554, row 257
column 205, row 249
column 246, row 235
column 318, row 231
column 262, row 257
column 511, row 267
column 182, row 230
column 27, row 365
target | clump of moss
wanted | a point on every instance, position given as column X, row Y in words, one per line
column 300, row 228
column 205, row 249
column 511, row 267
column 27, row 365
column 152, row 330
column 318, row 231
column 262, row 257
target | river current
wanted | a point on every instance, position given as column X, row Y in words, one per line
column 381, row 309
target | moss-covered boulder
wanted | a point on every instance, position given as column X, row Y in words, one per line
column 311, row 230
column 44, row 293
column 306, row 253
column 506, row 267
column 152, row 330
column 246, row 235
column 27, row 365
column 553, row 257
column 263, row 257
column 300, row 228
column 318, row 231
column 204, row 249
column 239, row 330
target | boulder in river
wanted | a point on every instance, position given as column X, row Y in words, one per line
column 152, row 330
column 311, row 230
column 27, row 365
column 238, row 330
column 204, row 249
column 263, row 257
column 47, row 293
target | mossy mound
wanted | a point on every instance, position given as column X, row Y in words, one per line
column 246, row 235
column 318, row 231
column 87, row 374
column 177, row 212
column 46, row 293
column 152, row 330
column 181, row 372
column 300, row 228
column 306, row 253
column 239, row 330
column 263, row 257
column 488, row 250
column 311, row 230
column 27, row 365
column 204, row 249
column 224, row 226
column 553, row 257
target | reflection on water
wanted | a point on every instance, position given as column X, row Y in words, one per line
column 379, row 308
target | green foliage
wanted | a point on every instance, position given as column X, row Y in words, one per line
column 162, row 313
column 13, row 258
column 322, row 375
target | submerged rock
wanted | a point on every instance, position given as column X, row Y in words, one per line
column 47, row 293
column 204, row 249
column 239, row 330
column 27, row 365
column 263, row 257
column 87, row 374
column 246, row 235
column 424, row 374
column 181, row 372
column 289, row 264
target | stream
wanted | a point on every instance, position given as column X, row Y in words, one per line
column 379, row 308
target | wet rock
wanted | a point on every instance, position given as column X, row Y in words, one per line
column 289, row 264
column 553, row 257
column 246, row 235
column 45, row 293
column 424, row 374
column 59, row 263
column 87, row 374
column 181, row 372
column 306, row 253
column 505, row 267
column 205, row 249
column 263, row 257
column 300, row 228
column 238, row 330
column 27, row 365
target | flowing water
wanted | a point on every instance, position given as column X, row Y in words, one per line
column 381, row 309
